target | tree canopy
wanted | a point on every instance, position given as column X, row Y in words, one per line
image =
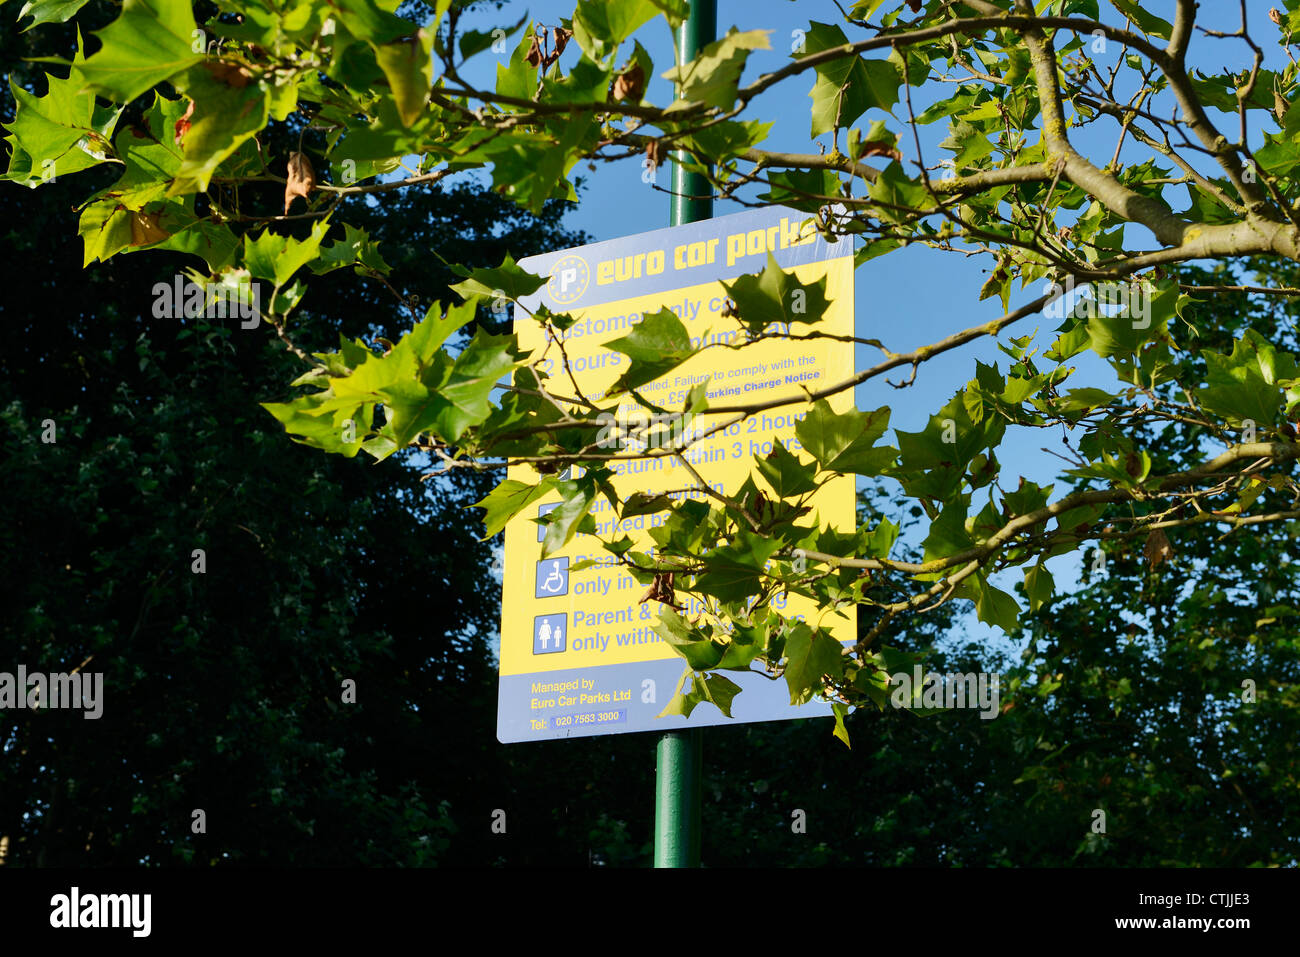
column 1082, row 149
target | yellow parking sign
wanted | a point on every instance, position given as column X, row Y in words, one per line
column 579, row 653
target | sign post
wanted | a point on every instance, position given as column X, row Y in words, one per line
column 583, row 650
column 679, row 759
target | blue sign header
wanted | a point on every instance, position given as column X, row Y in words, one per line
column 678, row 256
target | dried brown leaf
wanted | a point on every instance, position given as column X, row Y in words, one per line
column 661, row 590
column 654, row 152
column 1157, row 548
column 534, row 54
column 880, row 148
column 302, row 179
column 630, row 84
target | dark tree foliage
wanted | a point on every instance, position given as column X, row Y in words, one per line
column 223, row 690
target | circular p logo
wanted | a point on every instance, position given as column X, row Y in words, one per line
column 568, row 280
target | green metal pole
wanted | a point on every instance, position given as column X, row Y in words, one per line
column 680, row 755
column 692, row 196
column 677, row 799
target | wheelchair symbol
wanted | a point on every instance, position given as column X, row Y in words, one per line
column 552, row 577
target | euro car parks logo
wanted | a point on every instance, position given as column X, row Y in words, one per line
column 569, row 278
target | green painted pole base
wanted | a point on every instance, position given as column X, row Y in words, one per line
column 678, row 772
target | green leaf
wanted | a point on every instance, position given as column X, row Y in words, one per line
column 1246, row 384
column 531, row 169
column 721, row 141
column 473, row 42
column 1071, row 342
column 968, row 143
column 1148, row 23
column 588, row 81
column 951, row 439
column 863, row 9
column 508, row 280
column 562, row 522
column 697, row 399
column 802, row 189
column 719, row 690
column 810, row 654
column 848, row 86
column 228, row 111
column 897, row 194
column 420, row 386
column 656, row 345
column 1038, row 586
column 484, row 361
column 713, row 76
column 878, row 542
column 844, row 442
column 408, row 65
column 948, row 534
column 48, row 126
column 150, row 155
column 417, row 348
column 374, row 22
column 747, row 643
column 600, row 26
column 1077, row 400
column 214, row 243
column 775, row 295
column 50, row 11
column 152, row 41
column 716, row 689
column 700, row 652
column 1029, row 497
column 674, row 11
column 1137, row 322
column 644, row 503
column 62, row 126
column 105, row 228
column 731, row 571
column 992, row 605
column 840, row 731
column 271, row 256
column 314, row 420
column 355, row 248
column 506, row 501
column 784, row 472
